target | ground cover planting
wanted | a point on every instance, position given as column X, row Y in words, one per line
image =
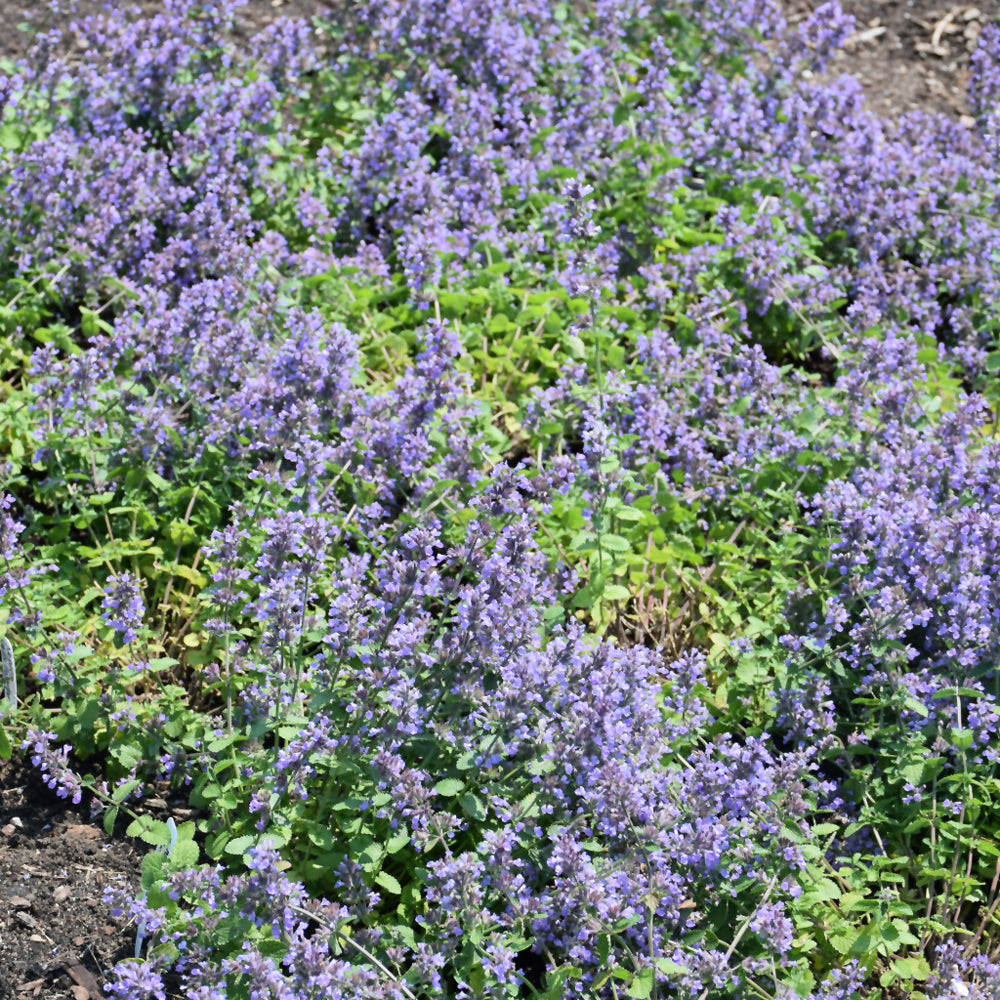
column 525, row 477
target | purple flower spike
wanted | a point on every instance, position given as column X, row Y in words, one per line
column 123, row 608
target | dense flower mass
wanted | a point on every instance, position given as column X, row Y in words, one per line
column 541, row 460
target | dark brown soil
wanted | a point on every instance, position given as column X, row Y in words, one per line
column 256, row 14
column 909, row 55
column 57, row 939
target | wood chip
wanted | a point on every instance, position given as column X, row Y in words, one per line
column 80, row 992
column 19, row 903
column 936, row 86
column 62, row 893
column 26, row 919
column 82, row 832
column 869, row 34
column 84, row 979
column 944, row 24
column 926, row 49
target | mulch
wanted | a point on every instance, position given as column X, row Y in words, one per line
column 57, row 937
column 909, row 55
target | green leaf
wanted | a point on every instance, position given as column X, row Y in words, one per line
column 216, row 844
column 240, row 845
column 388, row 883
column 157, row 480
column 449, row 787
column 150, row 831
column 5, row 747
column 184, row 854
column 842, row 941
column 10, row 137
column 669, row 966
column 642, row 985
column 614, row 543
column 955, row 692
column 397, row 842
column 473, row 806
column 823, row 889
column 630, row 514
column 122, row 792
column 152, row 869
column 824, row 829
column 366, row 852
column 914, row 967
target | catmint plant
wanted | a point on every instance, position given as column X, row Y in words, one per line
column 361, row 393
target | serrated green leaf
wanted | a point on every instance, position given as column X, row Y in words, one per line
column 156, row 480
column 473, row 806
column 151, row 831
column 184, row 854
column 912, row 967
column 642, row 985
column 669, row 966
column 449, row 787
column 215, row 844
column 613, row 543
column 388, row 883
column 397, row 842
column 240, row 845
column 366, row 852
column 824, row 829
column 152, row 869
column 122, row 792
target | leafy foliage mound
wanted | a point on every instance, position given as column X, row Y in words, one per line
column 526, row 474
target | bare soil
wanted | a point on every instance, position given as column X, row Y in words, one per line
column 909, row 55
column 57, row 938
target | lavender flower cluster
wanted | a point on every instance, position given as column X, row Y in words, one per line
column 580, row 813
column 557, row 806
